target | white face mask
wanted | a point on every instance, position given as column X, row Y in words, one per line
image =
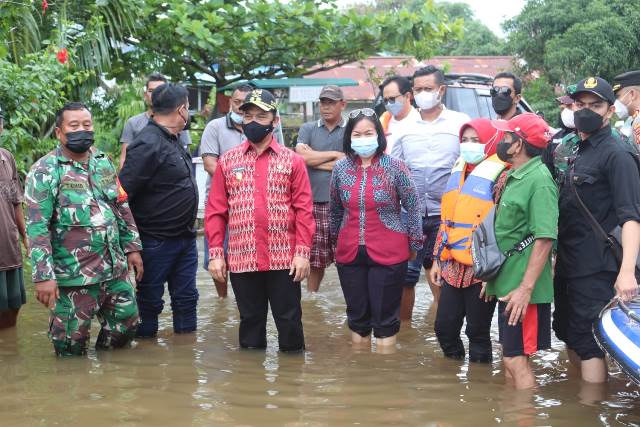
column 472, row 152
column 621, row 110
column 567, row 118
column 427, row 100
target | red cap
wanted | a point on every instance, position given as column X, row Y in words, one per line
column 528, row 126
column 487, row 134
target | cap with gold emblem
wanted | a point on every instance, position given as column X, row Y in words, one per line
column 262, row 99
column 597, row 86
column 630, row 78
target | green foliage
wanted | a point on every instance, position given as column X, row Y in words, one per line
column 540, row 95
column 571, row 39
column 477, row 39
column 30, row 94
column 232, row 41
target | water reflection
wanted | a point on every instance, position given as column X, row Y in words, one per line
column 204, row 379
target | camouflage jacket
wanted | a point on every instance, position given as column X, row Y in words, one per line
column 79, row 224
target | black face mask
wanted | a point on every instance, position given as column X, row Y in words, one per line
column 80, row 141
column 501, row 103
column 501, row 151
column 587, row 121
column 255, row 132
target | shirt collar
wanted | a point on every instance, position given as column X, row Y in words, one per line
column 598, row 136
column 341, row 124
column 246, row 145
column 525, row 169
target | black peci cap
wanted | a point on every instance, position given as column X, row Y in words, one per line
column 597, row 86
column 630, row 78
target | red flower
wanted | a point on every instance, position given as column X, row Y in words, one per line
column 62, row 55
column 45, row 6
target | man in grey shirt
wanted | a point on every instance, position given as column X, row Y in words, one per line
column 320, row 144
column 219, row 136
column 135, row 124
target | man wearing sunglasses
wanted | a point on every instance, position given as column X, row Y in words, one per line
column 429, row 147
column 505, row 95
column 135, row 124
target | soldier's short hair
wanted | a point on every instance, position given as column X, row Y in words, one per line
column 69, row 106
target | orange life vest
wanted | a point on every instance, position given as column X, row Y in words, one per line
column 465, row 203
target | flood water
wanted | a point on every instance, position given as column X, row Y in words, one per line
column 205, row 380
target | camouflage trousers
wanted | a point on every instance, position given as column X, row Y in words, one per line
column 114, row 304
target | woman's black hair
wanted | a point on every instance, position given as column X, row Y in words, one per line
column 346, row 142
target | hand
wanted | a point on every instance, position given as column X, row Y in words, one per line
column 135, row 263
column 626, row 286
column 299, row 267
column 517, row 301
column 218, row 269
column 47, row 293
column 413, row 255
column 435, row 274
column 340, row 155
column 303, row 146
column 483, row 293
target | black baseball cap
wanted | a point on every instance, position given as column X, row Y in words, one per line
column 630, row 78
column 597, row 86
column 262, row 99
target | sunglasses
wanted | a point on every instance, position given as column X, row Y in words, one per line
column 392, row 99
column 500, row 90
column 367, row 112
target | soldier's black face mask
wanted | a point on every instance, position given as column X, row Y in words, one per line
column 79, row 141
column 587, row 121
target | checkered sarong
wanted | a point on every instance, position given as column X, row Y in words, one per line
column 322, row 254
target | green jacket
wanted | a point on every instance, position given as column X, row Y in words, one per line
column 78, row 223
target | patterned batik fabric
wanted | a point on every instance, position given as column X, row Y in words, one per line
column 266, row 202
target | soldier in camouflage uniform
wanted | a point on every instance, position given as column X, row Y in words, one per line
column 83, row 240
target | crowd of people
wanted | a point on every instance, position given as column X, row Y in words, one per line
column 381, row 197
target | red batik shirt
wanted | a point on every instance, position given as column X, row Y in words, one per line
column 267, row 205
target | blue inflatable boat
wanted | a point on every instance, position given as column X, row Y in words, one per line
column 617, row 331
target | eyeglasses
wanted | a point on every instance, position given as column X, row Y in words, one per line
column 367, row 112
column 392, row 98
column 500, row 90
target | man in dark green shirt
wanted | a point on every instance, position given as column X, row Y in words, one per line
column 526, row 218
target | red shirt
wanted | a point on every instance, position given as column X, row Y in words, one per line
column 267, row 205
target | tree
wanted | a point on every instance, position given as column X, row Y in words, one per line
column 570, row 39
column 477, row 39
column 232, row 41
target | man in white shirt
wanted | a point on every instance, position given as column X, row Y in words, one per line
column 429, row 146
column 396, row 93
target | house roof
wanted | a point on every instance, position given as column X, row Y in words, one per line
column 383, row 66
column 290, row 82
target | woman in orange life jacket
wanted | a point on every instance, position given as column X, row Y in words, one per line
column 465, row 203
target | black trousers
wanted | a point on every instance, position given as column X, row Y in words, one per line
column 255, row 292
column 372, row 292
column 455, row 304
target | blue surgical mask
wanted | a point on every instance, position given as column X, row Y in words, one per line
column 394, row 108
column 472, row 152
column 365, row 146
column 236, row 118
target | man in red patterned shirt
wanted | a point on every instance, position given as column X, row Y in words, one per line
column 261, row 191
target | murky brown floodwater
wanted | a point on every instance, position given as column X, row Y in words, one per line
column 205, row 380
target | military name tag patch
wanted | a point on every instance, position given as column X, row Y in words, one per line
column 73, row 185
